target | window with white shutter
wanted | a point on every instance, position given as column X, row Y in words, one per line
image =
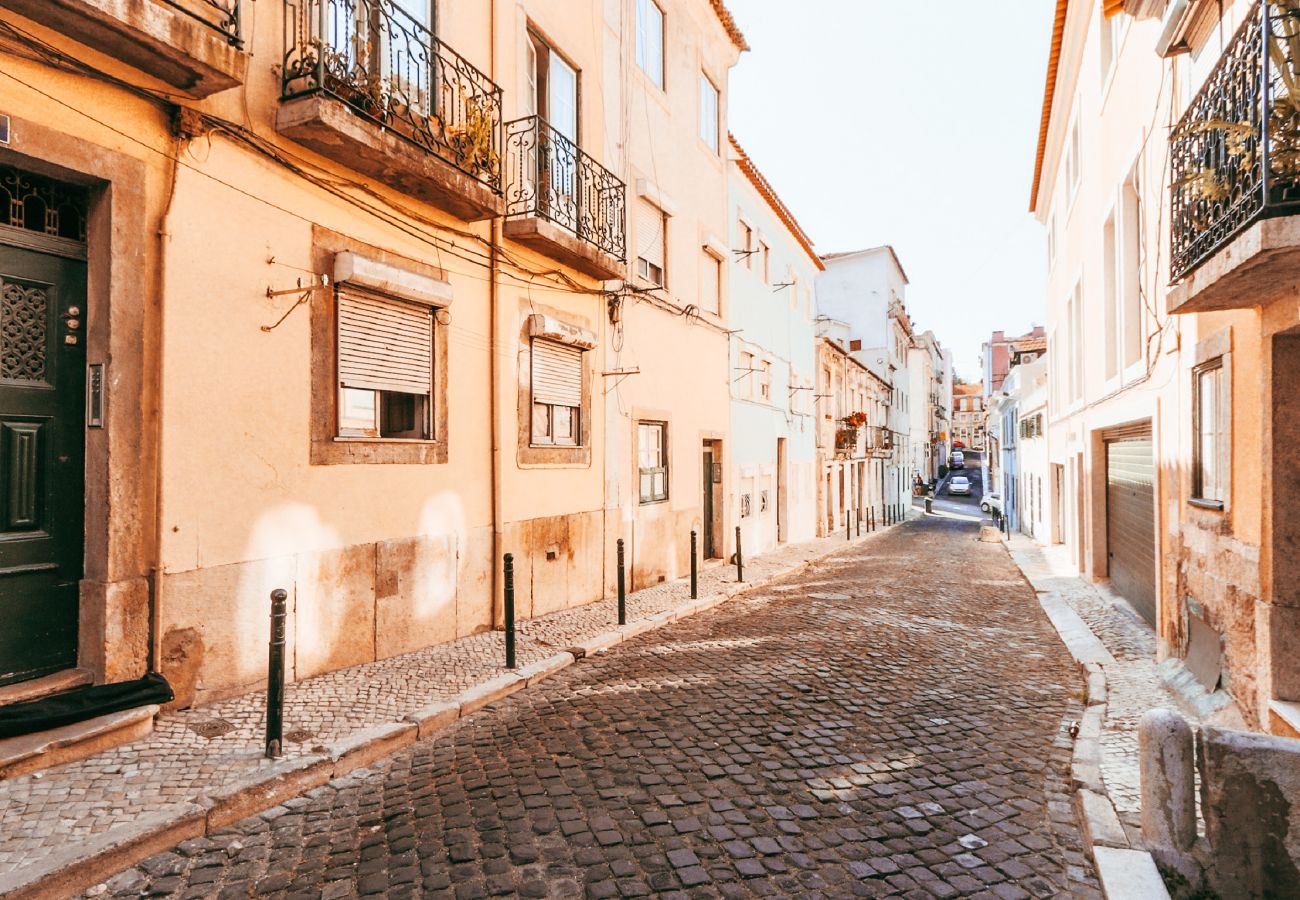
column 557, row 393
column 651, row 228
column 652, row 461
column 710, row 283
column 385, row 367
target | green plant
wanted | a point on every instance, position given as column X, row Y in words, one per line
column 472, row 141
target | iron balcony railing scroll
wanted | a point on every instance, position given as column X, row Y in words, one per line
column 389, row 67
column 1235, row 154
column 550, row 176
column 222, row 16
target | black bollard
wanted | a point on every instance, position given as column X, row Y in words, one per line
column 740, row 559
column 871, row 523
column 275, row 676
column 695, row 567
column 858, row 516
column 510, row 609
column 848, row 529
column 622, row 587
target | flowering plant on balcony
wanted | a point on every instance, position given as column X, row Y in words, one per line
column 855, row 420
column 846, row 438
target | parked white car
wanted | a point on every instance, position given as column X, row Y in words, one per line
column 959, row 484
column 958, row 460
column 991, row 502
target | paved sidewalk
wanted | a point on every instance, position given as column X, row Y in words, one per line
column 196, row 755
column 880, row 724
column 1133, row 683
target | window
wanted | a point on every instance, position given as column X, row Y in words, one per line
column 744, row 375
column 765, row 260
column 1110, row 43
column 552, row 87
column 1129, row 270
column 765, row 380
column 652, row 453
column 652, row 226
column 650, row 40
column 708, row 113
column 710, row 283
column 747, row 244
column 855, row 344
column 385, row 367
column 557, row 393
column 1051, row 242
column 1073, row 164
column 1211, row 434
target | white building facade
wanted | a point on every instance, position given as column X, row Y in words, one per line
column 773, row 369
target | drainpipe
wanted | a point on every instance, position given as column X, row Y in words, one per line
column 494, row 406
column 155, row 579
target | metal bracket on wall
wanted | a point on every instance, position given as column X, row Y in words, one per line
column 620, row 374
column 303, row 292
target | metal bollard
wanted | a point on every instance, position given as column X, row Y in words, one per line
column 695, row 567
column 740, row 559
column 857, row 514
column 848, row 530
column 871, row 524
column 510, row 609
column 622, row 587
column 275, row 676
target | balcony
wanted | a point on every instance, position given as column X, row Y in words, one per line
column 367, row 85
column 562, row 202
column 195, row 46
column 1235, row 172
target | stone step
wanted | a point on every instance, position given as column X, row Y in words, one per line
column 48, row 686
column 33, row 752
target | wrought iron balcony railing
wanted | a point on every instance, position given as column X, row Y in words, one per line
column 1235, row 155
column 549, row 176
column 389, row 67
column 221, row 16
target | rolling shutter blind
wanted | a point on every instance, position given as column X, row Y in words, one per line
column 557, row 374
column 384, row 345
column 650, row 233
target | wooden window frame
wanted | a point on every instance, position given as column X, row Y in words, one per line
column 663, row 468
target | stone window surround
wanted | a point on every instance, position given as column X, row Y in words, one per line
column 327, row 448
column 1215, row 350
column 537, row 321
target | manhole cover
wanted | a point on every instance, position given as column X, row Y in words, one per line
column 212, row 728
column 299, row 735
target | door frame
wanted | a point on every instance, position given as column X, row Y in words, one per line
column 782, row 487
column 117, row 630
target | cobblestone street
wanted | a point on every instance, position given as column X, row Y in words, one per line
column 888, row 722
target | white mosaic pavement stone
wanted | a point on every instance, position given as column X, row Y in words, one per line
column 175, row 764
column 1133, row 684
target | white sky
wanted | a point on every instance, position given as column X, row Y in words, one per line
column 913, row 124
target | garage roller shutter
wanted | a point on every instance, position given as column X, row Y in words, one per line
column 557, row 374
column 384, row 345
column 1130, row 522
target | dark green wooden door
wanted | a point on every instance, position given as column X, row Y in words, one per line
column 42, row 503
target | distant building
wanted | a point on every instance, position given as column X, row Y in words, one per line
column 968, row 416
column 999, row 354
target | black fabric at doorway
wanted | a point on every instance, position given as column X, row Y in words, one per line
column 81, row 704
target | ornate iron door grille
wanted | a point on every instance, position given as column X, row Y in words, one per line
column 221, row 16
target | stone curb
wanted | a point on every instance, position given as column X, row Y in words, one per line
column 1125, row 872
column 82, row 864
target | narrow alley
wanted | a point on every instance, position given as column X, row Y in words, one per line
column 891, row 721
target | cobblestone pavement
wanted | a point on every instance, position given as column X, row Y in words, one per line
column 197, row 751
column 888, row 722
column 1133, row 684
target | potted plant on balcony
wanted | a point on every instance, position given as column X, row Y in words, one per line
column 471, row 140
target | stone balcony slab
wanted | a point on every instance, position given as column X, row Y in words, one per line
column 564, row 246
column 1259, row 265
column 191, row 53
column 328, row 126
